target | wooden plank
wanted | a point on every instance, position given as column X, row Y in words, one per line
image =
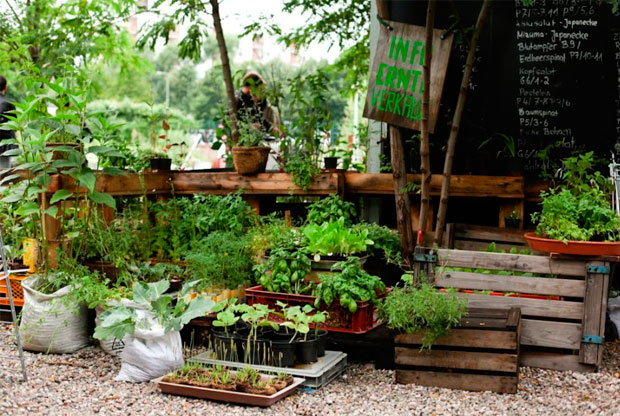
column 470, row 382
column 483, row 323
column 603, row 316
column 460, row 185
column 464, row 360
column 595, row 282
column 514, row 318
column 554, row 361
column 529, row 307
column 477, row 232
column 506, row 283
column 550, row 334
column 466, row 338
column 515, row 262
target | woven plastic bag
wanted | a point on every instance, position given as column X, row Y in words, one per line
column 150, row 352
column 112, row 346
column 52, row 323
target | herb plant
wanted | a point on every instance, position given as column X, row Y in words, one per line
column 386, row 242
column 409, row 309
column 580, row 208
column 284, row 271
column 350, row 285
column 330, row 209
column 333, row 238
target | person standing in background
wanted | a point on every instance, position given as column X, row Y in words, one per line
column 5, row 108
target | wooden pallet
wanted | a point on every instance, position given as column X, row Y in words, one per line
column 480, row 355
column 561, row 334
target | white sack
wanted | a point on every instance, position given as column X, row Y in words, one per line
column 52, row 323
column 150, row 353
column 113, row 346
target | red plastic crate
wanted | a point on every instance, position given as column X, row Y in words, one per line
column 339, row 319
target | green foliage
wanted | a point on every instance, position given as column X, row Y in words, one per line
column 284, row 271
column 120, row 320
column 335, row 238
column 220, row 259
column 348, row 286
column 386, row 242
column 250, row 134
column 579, row 209
column 330, row 209
column 411, row 309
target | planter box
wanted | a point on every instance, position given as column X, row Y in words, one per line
column 339, row 319
column 480, row 355
column 227, row 396
column 577, row 248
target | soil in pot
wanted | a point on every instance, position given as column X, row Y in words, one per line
column 282, row 383
column 330, row 162
column 250, row 160
column 160, row 163
column 283, row 353
column 307, row 351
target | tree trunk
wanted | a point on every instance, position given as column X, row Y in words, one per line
column 456, row 122
column 399, row 174
column 403, row 206
column 425, row 159
column 230, row 89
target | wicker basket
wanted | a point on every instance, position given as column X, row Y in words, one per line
column 250, row 160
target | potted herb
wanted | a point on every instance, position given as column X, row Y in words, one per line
column 331, row 209
column 577, row 217
column 256, row 345
column 411, row 309
column 284, row 271
column 297, row 318
column 158, row 161
column 250, row 155
column 513, row 220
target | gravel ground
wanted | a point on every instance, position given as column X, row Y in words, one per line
column 83, row 384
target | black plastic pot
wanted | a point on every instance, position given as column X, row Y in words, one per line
column 307, row 351
column 160, row 163
column 281, row 335
column 321, row 342
column 283, row 353
column 255, row 351
column 226, row 347
column 330, row 162
column 235, row 329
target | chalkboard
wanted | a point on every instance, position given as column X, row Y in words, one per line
column 546, row 75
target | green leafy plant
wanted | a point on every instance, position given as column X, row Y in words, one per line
column 284, row 271
column 330, row 209
column 120, row 320
column 222, row 259
column 297, row 318
column 386, row 242
column 579, row 209
column 410, row 309
column 333, row 238
column 350, row 285
column 250, row 134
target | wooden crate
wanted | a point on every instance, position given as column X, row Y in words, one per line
column 478, row 237
column 480, row 355
column 562, row 327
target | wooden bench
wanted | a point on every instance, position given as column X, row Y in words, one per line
column 482, row 354
column 563, row 301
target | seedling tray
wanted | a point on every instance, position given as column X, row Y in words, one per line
column 227, row 396
column 316, row 375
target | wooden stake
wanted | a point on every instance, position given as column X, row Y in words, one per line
column 403, row 206
column 456, row 122
column 425, row 159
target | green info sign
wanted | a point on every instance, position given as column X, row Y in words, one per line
column 396, row 82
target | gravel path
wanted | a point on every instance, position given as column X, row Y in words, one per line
column 83, row 384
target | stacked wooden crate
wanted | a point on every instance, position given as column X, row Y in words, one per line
column 482, row 354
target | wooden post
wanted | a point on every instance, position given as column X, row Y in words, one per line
column 595, row 306
column 403, row 209
column 425, row 159
column 456, row 122
column 254, row 202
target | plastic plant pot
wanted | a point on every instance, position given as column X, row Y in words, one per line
column 283, row 353
column 307, row 351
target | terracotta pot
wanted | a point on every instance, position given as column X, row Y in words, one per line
column 578, row 248
column 250, row 160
